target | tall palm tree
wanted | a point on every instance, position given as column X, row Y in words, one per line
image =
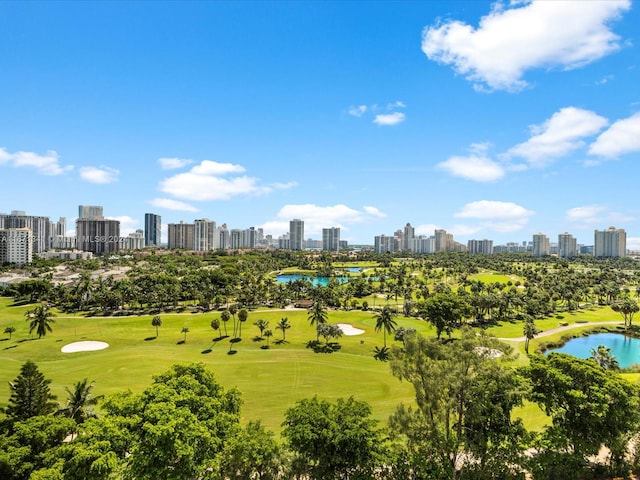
column 79, row 402
column 243, row 314
column 317, row 316
column 225, row 316
column 262, row 325
column 10, row 331
column 185, row 330
column 529, row 332
column 284, row 325
column 41, row 319
column 385, row 322
column 215, row 324
column 156, row 322
column 268, row 333
column 233, row 309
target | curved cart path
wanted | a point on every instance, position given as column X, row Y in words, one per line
column 546, row 333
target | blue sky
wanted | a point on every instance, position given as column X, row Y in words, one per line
column 490, row 120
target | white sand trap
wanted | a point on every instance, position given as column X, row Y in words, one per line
column 87, row 346
column 349, row 330
column 489, row 352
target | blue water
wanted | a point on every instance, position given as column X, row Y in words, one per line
column 316, row 281
column 625, row 349
column 353, row 269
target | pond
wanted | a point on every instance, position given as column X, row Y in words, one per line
column 625, row 349
column 316, row 281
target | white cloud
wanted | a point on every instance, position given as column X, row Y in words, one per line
column 173, row 163
column 479, row 169
column 389, row 118
column 48, row 164
column 357, row 111
column 170, row 204
column 595, row 216
column 127, row 224
column 558, row 136
column 100, row 174
column 621, row 138
column 633, row 244
column 427, row 229
column 206, row 181
column 603, row 80
column 489, row 209
column 528, row 35
column 318, row 217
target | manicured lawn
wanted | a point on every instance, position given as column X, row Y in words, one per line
column 491, row 277
column 270, row 380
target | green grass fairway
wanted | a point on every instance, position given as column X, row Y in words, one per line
column 270, row 380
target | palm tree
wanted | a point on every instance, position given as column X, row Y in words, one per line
column 10, row 331
column 603, row 357
column 185, row 330
column 284, row 325
column 233, row 309
column 268, row 333
column 156, row 322
column 385, row 322
column 243, row 314
column 79, row 402
column 317, row 316
column 215, row 324
column 529, row 332
column 262, row 325
column 225, row 316
column 41, row 319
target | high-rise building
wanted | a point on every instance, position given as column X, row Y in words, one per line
column 296, row 234
column 331, row 239
column 611, row 242
column 424, row 244
column 385, row 243
column 98, row 235
column 40, row 228
column 407, row 237
column 567, row 245
column 224, row 237
column 133, row 241
column 181, row 235
column 152, row 229
column 206, row 236
column 16, row 246
column 541, row 246
column 444, row 241
column 90, row 212
column 480, row 246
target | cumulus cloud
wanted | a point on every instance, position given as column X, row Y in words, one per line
column 525, row 36
column 503, row 217
column 215, row 181
column 479, row 169
column 389, row 118
column 621, row 138
column 558, row 136
column 595, row 216
column 100, row 174
column 48, row 164
column 171, row 204
column 317, row 217
column 382, row 115
column 173, row 163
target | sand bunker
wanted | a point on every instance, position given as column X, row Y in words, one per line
column 350, row 330
column 87, row 346
column 489, row 352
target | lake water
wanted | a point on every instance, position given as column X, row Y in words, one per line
column 625, row 349
column 322, row 281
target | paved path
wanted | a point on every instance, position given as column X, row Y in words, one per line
column 546, row 333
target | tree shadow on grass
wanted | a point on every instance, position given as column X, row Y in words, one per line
column 232, row 352
column 258, row 339
column 9, row 347
column 319, row 347
column 148, row 339
column 208, row 350
column 4, row 339
column 280, row 342
column 217, row 339
column 180, row 342
column 265, row 347
column 235, row 340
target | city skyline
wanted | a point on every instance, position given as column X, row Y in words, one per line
column 359, row 116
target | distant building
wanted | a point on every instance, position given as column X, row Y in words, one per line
column 16, row 246
column 611, row 242
column 384, row 244
column 331, row 239
column 567, row 245
column 407, row 237
column 480, row 246
column 90, row 212
column 296, row 234
column 40, row 228
column 181, row 235
column 98, row 235
column 152, row 230
column 541, row 245
column 206, row 236
column 133, row 241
